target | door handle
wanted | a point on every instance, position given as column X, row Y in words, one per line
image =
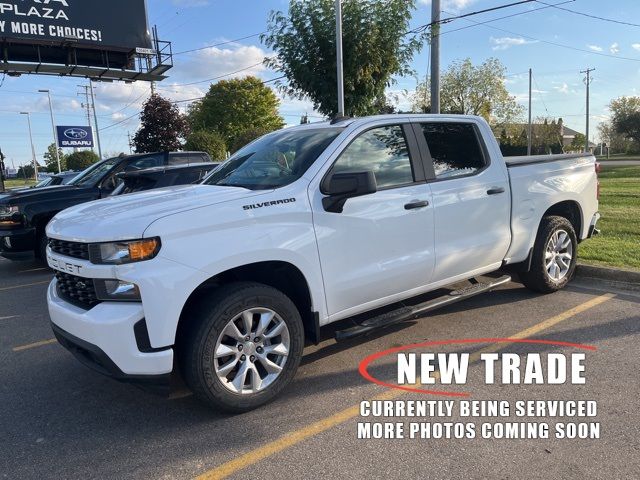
column 495, row 191
column 416, row 205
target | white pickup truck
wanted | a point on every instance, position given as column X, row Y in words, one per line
column 227, row 280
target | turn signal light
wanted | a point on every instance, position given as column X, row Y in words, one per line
column 143, row 249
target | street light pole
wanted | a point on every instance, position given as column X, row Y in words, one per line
column 435, row 56
column 339, row 60
column 33, row 150
column 55, row 131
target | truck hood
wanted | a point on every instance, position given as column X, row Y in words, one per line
column 36, row 194
column 126, row 217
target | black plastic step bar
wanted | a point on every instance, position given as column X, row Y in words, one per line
column 402, row 314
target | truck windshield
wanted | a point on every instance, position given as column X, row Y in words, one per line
column 274, row 160
column 94, row 173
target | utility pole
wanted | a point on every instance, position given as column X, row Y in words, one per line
column 2, row 170
column 95, row 117
column 130, row 143
column 588, row 82
column 55, row 131
column 435, row 56
column 339, row 59
column 86, row 105
column 33, row 149
column 530, row 134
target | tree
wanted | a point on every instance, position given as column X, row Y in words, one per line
column 206, row 141
column 80, row 160
column 26, row 171
column 475, row 90
column 625, row 120
column 52, row 162
column 232, row 107
column 247, row 137
column 375, row 43
column 163, row 127
column 578, row 142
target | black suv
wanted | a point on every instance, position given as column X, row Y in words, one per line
column 24, row 213
column 159, row 177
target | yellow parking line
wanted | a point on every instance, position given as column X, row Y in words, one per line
column 34, row 345
column 25, row 285
column 33, row 270
column 297, row 436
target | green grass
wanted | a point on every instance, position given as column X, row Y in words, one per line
column 18, row 183
column 618, row 244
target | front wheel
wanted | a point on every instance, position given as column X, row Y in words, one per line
column 554, row 256
column 243, row 348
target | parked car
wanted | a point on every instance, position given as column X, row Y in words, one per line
column 302, row 228
column 24, row 213
column 158, row 177
column 57, row 179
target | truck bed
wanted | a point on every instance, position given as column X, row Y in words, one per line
column 534, row 159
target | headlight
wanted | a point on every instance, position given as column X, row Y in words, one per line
column 10, row 215
column 116, row 290
column 117, row 253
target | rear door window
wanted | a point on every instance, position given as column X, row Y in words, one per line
column 455, row 149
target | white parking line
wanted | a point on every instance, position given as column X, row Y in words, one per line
column 7, row 318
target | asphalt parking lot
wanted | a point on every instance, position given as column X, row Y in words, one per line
column 61, row 420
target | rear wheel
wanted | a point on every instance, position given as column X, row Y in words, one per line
column 244, row 346
column 554, row 256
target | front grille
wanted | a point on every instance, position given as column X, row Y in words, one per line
column 70, row 249
column 77, row 290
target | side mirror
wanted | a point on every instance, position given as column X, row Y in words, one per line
column 340, row 187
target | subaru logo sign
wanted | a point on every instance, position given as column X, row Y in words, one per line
column 75, row 137
column 76, row 133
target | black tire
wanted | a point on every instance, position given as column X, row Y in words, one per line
column 209, row 317
column 538, row 279
column 41, row 248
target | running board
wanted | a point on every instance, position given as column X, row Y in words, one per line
column 402, row 314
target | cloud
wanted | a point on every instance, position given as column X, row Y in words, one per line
column 595, row 48
column 564, row 88
column 451, row 4
column 504, row 43
column 614, row 48
column 214, row 62
column 636, row 46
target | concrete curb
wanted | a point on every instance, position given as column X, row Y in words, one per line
column 608, row 273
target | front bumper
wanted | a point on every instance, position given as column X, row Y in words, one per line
column 17, row 244
column 103, row 338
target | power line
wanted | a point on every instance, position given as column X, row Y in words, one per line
column 200, row 98
column 506, row 16
column 175, row 102
column 555, row 44
column 219, row 76
column 120, row 122
column 424, row 27
column 218, row 44
column 595, row 17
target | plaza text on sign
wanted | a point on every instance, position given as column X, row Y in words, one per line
column 106, row 24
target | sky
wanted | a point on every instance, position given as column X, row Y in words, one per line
column 555, row 43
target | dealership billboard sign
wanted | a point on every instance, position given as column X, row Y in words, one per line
column 104, row 24
column 75, row 137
